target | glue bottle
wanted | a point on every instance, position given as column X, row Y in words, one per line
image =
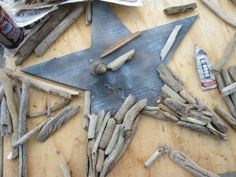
column 10, row 34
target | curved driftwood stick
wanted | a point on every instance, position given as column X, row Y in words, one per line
column 188, row 164
column 219, row 12
column 1, row 155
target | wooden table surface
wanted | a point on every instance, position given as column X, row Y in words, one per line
column 69, row 143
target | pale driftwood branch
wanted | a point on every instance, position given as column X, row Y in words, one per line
column 58, row 31
column 217, row 122
column 155, row 114
column 88, row 11
column 65, row 170
column 2, row 93
column 219, row 12
column 128, row 103
column 87, row 105
column 100, row 160
column 52, row 125
column 118, row 62
column 170, row 41
column 106, row 137
column 99, row 137
column 188, row 164
column 227, row 53
column 164, row 149
column 113, row 140
column 227, row 117
column 92, row 126
column 8, row 89
column 170, row 93
column 118, row 44
column 6, row 123
column 180, row 9
column 29, row 134
column 101, row 115
column 54, row 108
column 133, row 113
column 216, row 132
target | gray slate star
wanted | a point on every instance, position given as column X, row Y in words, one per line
column 138, row 76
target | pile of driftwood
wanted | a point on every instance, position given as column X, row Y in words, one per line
column 178, row 105
column 109, row 136
column 226, row 80
column 14, row 95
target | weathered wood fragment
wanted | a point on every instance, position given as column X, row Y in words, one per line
column 164, row 149
column 219, row 12
column 232, row 72
column 133, row 113
column 101, row 115
column 170, row 41
column 91, row 157
column 230, row 89
column 194, row 121
column 218, row 124
column 106, row 137
column 217, row 133
column 167, row 77
column 6, row 124
column 170, row 93
column 92, row 126
column 88, row 11
column 227, row 53
column 120, row 43
column 188, row 164
column 87, row 105
column 227, row 116
column 100, row 160
column 180, row 9
column 99, row 137
column 118, row 62
column 113, row 140
column 194, row 127
column 52, row 125
column 128, row 103
column 8, row 89
column 187, row 96
column 65, row 170
column 58, row 31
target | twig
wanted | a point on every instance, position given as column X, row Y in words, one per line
column 88, row 15
column 101, row 115
column 87, row 105
column 6, row 123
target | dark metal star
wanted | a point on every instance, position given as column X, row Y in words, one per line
column 138, row 76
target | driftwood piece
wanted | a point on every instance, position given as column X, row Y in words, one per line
column 227, row 116
column 218, row 123
column 188, row 164
column 26, row 50
column 91, row 159
column 22, row 129
column 164, row 149
column 170, row 93
column 113, row 140
column 118, row 62
column 52, row 125
column 227, row 99
column 219, row 12
column 229, row 89
column 87, row 105
column 187, row 96
column 128, row 103
column 65, row 170
column 6, row 124
column 155, row 114
column 194, row 127
column 227, row 53
column 133, row 113
column 8, row 89
column 29, row 134
column 100, row 160
column 99, row 137
column 88, row 11
column 168, row 78
column 92, row 126
column 54, row 108
column 120, row 43
column 177, row 106
column 101, row 115
column 180, row 9
column 1, row 155
column 58, row 31
column 106, row 137
column 170, row 41
column 232, row 72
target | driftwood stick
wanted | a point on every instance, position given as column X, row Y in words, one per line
column 2, row 92
column 113, row 140
column 101, row 115
column 170, row 41
column 219, row 12
column 195, row 127
column 6, row 123
column 99, row 137
column 164, row 149
column 88, row 11
column 58, row 31
column 188, row 164
column 229, row 89
column 120, row 43
column 8, row 89
column 100, row 160
column 92, row 126
column 65, row 170
column 52, row 125
column 170, row 93
column 54, row 108
column 180, row 9
column 128, row 103
column 227, row 53
column 29, row 134
column 87, row 105
column 232, row 72
column 1, row 155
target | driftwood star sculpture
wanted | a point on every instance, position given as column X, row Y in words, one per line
column 138, row 76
